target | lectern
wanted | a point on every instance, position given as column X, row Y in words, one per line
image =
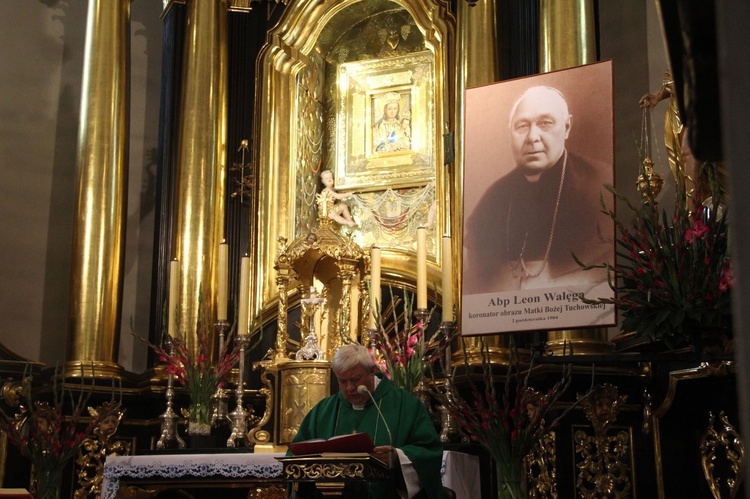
column 330, row 474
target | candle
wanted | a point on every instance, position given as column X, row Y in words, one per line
column 447, row 279
column 174, row 292
column 242, row 322
column 422, row 268
column 375, row 297
column 221, row 298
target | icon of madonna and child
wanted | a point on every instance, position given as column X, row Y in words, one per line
column 392, row 131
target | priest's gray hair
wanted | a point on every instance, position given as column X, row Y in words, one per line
column 350, row 356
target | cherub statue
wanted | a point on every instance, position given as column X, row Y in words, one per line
column 93, row 451
column 327, row 201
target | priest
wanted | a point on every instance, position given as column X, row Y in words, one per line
column 397, row 422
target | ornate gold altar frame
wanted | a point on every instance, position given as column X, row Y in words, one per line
column 311, row 117
column 292, row 109
column 364, row 89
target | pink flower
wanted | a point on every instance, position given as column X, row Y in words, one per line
column 698, row 230
column 727, row 280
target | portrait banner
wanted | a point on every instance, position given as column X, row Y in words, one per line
column 538, row 152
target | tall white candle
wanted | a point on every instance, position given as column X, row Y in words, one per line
column 243, row 328
column 375, row 296
column 221, row 295
column 421, row 268
column 447, row 279
column 173, row 298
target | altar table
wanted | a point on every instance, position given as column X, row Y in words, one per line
column 460, row 471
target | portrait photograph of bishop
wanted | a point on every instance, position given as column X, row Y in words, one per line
column 538, row 152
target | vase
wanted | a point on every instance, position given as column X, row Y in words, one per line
column 200, row 435
column 47, row 481
column 510, row 482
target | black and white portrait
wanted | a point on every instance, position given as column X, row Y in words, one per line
column 538, row 152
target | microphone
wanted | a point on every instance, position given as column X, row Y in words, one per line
column 363, row 389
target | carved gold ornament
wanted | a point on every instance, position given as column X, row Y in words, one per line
column 603, row 459
column 723, row 446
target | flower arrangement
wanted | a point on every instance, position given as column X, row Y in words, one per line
column 675, row 271
column 197, row 373
column 45, row 434
column 507, row 424
column 400, row 347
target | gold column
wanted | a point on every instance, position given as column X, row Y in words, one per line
column 567, row 36
column 201, row 172
column 478, row 48
column 567, row 39
column 282, row 333
column 99, row 228
column 478, row 39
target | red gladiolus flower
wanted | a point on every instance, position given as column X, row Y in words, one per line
column 697, row 231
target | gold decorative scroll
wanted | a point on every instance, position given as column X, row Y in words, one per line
column 317, row 471
column 603, row 460
column 723, row 446
column 542, row 469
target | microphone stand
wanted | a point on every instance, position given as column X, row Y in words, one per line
column 364, row 389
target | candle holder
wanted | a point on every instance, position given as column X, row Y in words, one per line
column 448, row 424
column 169, row 417
column 239, row 415
column 423, row 316
column 421, row 391
column 219, row 407
column 370, row 342
column 221, row 327
column 220, row 400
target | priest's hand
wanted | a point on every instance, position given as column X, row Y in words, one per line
column 384, row 453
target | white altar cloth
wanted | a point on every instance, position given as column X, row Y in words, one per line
column 236, row 465
column 459, row 471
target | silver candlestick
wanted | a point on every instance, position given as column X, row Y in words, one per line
column 448, row 423
column 169, row 417
column 221, row 326
column 219, row 400
column 239, row 415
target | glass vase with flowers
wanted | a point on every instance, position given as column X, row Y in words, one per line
column 195, row 369
column 49, row 432
column 505, row 414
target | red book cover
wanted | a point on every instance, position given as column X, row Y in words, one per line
column 354, row 442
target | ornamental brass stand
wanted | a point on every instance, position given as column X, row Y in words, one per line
column 169, row 417
column 239, row 415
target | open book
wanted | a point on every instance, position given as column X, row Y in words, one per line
column 354, row 442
